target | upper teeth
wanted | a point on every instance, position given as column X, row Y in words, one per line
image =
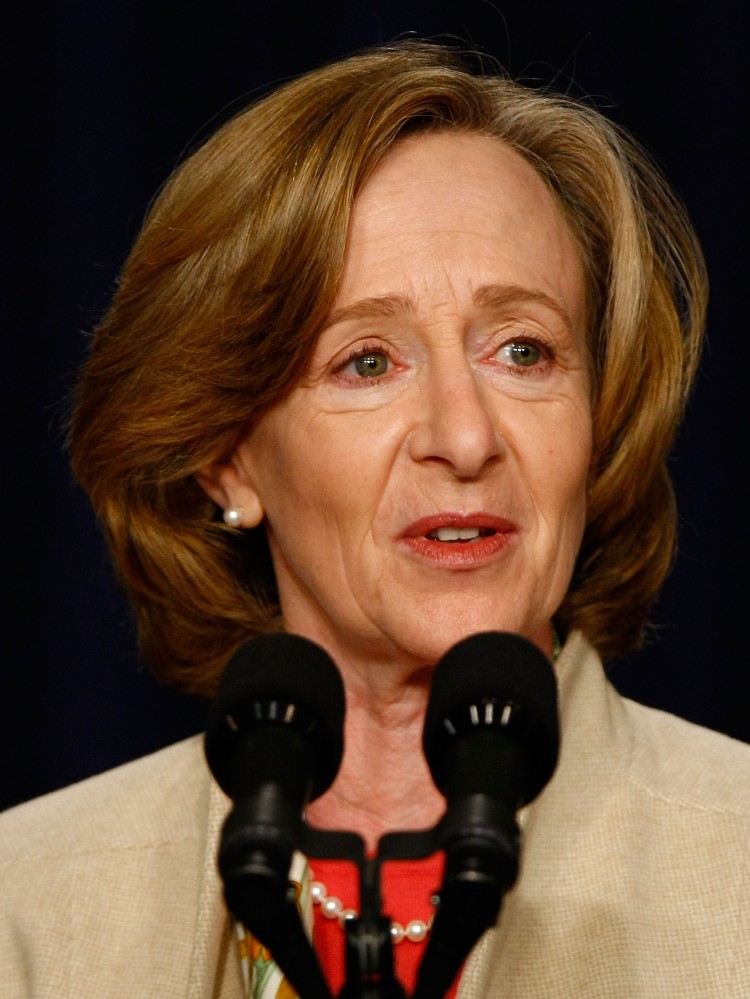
column 455, row 533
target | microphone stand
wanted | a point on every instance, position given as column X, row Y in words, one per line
column 481, row 864
column 478, row 833
column 369, row 948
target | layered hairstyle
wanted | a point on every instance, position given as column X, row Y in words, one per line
column 232, row 278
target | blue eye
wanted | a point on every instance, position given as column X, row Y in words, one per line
column 371, row 365
column 522, row 354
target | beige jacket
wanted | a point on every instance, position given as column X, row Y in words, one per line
column 635, row 872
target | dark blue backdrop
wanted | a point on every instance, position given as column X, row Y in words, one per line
column 102, row 98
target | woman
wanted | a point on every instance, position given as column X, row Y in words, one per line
column 398, row 357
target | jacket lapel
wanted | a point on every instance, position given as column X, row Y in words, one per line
column 214, row 965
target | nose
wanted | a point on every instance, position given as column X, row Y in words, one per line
column 456, row 424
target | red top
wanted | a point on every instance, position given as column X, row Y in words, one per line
column 408, row 887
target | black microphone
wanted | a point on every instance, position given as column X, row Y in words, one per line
column 491, row 740
column 491, row 726
column 277, row 687
column 274, row 742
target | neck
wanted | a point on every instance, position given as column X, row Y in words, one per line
column 384, row 783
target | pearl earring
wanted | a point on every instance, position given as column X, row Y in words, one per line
column 233, row 516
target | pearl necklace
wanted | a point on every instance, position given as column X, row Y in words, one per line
column 415, row 930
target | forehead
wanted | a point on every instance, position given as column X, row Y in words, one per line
column 461, row 204
column 469, row 170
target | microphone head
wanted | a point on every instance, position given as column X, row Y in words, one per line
column 279, row 669
column 504, row 671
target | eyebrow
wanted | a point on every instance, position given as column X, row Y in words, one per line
column 490, row 296
column 500, row 296
column 386, row 306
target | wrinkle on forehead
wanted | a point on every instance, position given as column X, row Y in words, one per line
column 443, row 188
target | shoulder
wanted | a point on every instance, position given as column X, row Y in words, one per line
column 102, row 880
column 153, row 799
column 661, row 757
column 688, row 766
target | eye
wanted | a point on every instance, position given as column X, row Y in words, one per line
column 371, row 364
column 366, row 363
column 521, row 354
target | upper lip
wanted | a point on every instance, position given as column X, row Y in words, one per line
column 484, row 521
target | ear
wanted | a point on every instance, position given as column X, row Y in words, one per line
column 228, row 485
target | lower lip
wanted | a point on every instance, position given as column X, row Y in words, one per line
column 460, row 554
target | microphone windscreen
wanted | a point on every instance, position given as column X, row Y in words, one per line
column 282, row 667
column 505, row 668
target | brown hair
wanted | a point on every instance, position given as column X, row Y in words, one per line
column 234, row 273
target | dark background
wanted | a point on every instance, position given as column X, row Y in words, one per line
column 101, row 99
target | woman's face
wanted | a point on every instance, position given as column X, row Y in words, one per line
column 427, row 479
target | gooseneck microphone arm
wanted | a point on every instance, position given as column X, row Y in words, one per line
column 491, row 740
column 481, row 840
column 258, row 841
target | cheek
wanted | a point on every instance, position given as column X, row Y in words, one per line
column 562, row 471
column 345, row 462
column 574, row 473
column 314, row 482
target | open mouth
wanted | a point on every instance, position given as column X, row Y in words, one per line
column 460, row 540
column 465, row 534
